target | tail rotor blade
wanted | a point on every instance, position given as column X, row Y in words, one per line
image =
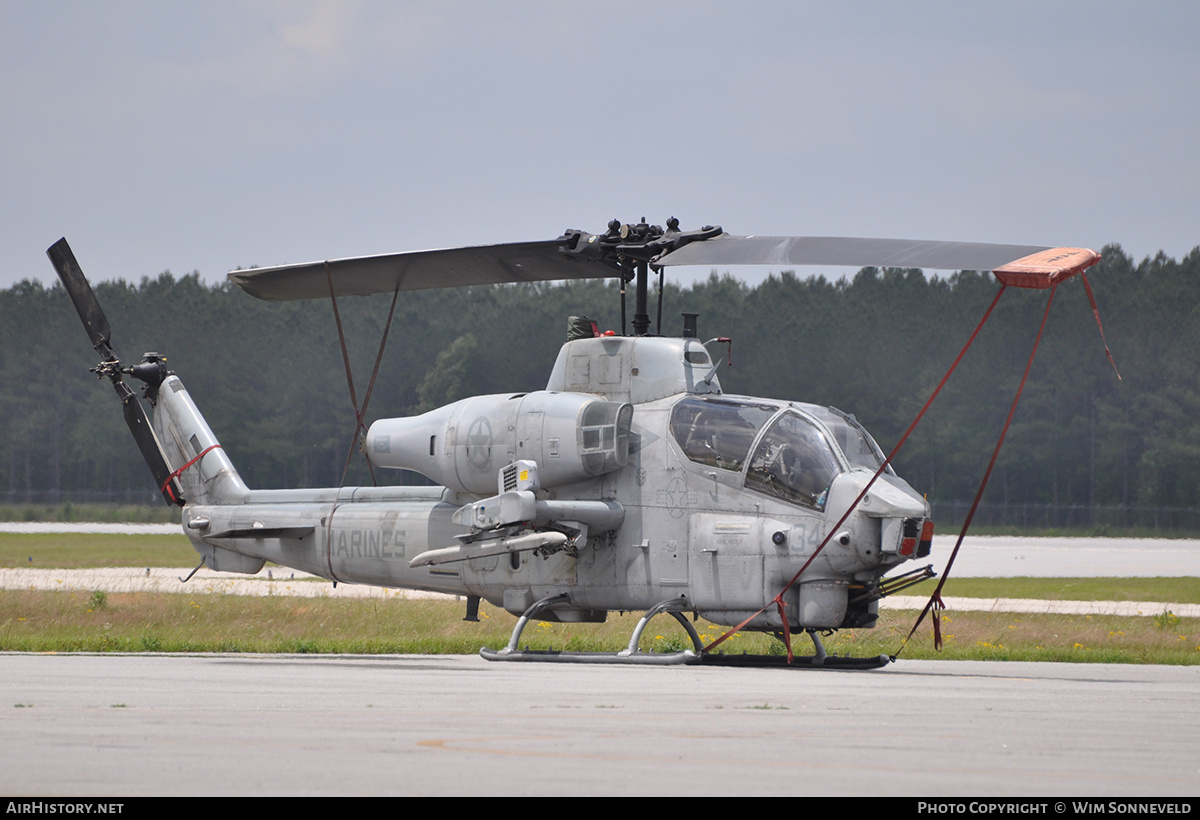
column 88, row 308
column 151, row 447
column 80, row 291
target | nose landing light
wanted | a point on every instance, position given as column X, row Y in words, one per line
column 917, row 539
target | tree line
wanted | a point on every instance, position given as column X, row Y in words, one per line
column 270, row 379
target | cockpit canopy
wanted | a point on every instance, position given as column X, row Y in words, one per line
column 789, row 451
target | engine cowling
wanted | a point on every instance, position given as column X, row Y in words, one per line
column 571, row 436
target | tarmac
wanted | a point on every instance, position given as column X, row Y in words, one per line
column 324, row 725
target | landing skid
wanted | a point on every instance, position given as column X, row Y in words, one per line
column 690, row 657
column 805, row 662
column 630, row 654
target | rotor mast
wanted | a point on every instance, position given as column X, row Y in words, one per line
column 633, row 249
column 641, row 317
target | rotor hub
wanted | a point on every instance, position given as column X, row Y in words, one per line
column 632, row 249
column 627, row 245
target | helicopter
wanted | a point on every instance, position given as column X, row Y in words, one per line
column 631, row 483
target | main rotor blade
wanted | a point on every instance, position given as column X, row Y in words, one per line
column 847, row 251
column 86, row 305
column 420, row 270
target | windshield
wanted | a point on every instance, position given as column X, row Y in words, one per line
column 860, row 449
column 718, row 432
column 794, row 462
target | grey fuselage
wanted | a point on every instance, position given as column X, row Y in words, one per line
column 643, row 483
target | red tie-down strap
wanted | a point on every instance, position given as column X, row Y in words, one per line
column 166, row 487
column 1096, row 312
column 778, row 599
column 935, row 600
column 1038, row 271
column 937, row 608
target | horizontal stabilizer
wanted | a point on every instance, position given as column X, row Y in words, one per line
column 263, row 532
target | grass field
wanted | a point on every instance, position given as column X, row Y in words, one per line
column 97, row 622
column 77, row 550
column 33, row 621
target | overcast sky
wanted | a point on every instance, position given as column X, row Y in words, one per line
column 205, row 136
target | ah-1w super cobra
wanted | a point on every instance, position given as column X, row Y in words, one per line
column 630, row 483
